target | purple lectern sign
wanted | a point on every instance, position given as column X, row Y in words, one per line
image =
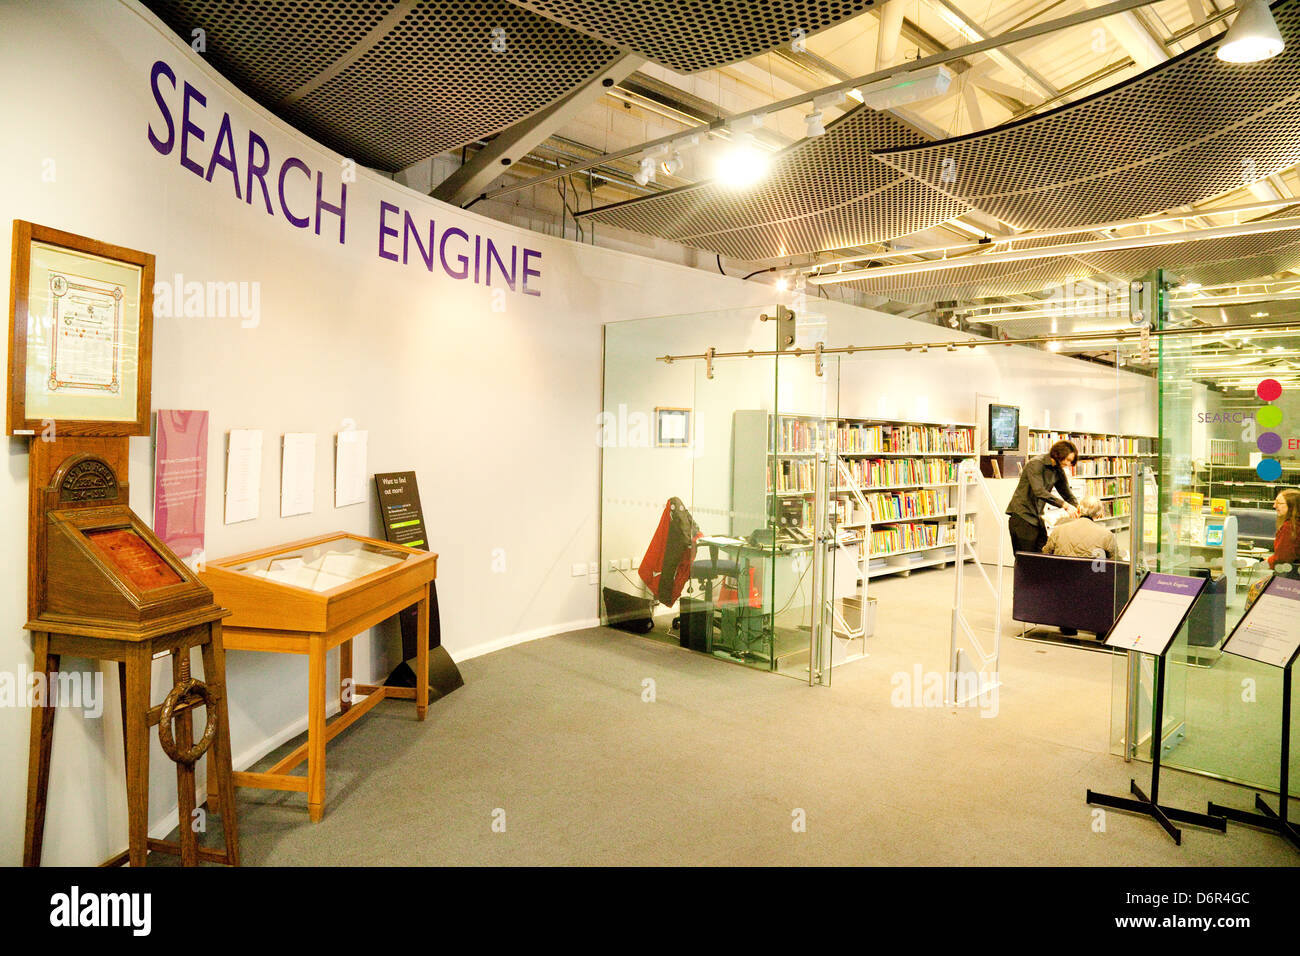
column 180, row 481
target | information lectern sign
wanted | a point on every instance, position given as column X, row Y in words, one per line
column 1270, row 630
column 1153, row 616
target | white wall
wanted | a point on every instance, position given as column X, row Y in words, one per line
column 495, row 410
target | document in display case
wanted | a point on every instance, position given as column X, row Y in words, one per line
column 309, row 597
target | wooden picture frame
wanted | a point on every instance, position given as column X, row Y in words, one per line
column 676, row 436
column 106, row 391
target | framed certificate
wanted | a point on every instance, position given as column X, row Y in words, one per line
column 80, row 335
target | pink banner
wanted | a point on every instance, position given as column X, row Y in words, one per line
column 180, row 481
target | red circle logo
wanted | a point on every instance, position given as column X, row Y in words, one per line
column 1270, row 390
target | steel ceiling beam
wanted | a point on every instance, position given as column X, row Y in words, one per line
column 513, row 144
column 957, row 53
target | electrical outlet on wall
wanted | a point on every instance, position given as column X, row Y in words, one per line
column 579, row 570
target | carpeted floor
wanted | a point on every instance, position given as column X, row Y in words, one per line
column 554, row 739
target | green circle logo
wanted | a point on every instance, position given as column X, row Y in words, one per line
column 1270, row 416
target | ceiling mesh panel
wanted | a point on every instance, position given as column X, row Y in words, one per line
column 270, row 48
column 1192, row 128
column 1209, row 261
column 823, row 193
column 691, row 35
column 433, row 81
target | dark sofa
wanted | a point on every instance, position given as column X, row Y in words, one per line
column 1067, row 592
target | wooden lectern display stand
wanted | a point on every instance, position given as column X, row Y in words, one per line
column 309, row 597
column 104, row 587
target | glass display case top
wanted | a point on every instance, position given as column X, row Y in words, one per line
column 324, row 566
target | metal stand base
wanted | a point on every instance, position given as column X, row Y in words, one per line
column 1266, row 819
column 444, row 675
column 1163, row 815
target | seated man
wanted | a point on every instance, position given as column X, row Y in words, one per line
column 1082, row 537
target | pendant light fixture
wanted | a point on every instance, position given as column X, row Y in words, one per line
column 1253, row 35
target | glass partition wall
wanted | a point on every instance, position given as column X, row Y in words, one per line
column 818, row 479
column 1212, row 516
column 730, row 446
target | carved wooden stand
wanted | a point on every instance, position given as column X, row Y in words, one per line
column 102, row 586
column 138, row 717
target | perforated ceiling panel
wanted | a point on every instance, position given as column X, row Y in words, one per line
column 270, row 48
column 825, row 193
column 690, row 35
column 389, row 83
column 1190, row 129
column 1207, row 261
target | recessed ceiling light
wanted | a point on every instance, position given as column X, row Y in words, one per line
column 1253, row 35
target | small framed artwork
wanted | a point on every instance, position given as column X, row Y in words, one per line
column 672, row 427
column 80, row 335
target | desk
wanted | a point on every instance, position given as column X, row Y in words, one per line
column 310, row 597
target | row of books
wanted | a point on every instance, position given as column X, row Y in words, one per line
column 1092, row 467
column 885, row 472
column 921, row 439
column 792, row 476
column 1117, row 508
column 888, row 506
column 1195, row 502
column 798, row 436
column 1107, row 487
column 1040, row 442
column 911, row 537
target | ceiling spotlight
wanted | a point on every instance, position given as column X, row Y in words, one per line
column 1054, row 345
column 954, row 322
column 646, row 174
column 672, row 165
column 740, row 163
column 1253, row 35
column 782, row 284
column 814, row 123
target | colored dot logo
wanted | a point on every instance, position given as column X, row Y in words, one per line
column 1269, row 417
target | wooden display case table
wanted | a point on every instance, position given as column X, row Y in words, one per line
column 310, row 597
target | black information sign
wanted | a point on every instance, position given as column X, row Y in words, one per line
column 399, row 506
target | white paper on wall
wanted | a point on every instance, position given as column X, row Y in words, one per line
column 350, row 482
column 298, row 474
column 243, row 474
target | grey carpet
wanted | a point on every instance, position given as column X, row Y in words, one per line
column 555, row 734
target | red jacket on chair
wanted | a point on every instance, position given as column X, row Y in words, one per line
column 666, row 567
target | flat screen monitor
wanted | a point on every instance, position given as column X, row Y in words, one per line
column 1004, row 428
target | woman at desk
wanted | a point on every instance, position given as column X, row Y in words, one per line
column 1286, row 545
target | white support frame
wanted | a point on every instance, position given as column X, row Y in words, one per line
column 968, row 653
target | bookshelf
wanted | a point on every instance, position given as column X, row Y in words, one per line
column 1104, row 467
column 906, row 470
column 1241, row 485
